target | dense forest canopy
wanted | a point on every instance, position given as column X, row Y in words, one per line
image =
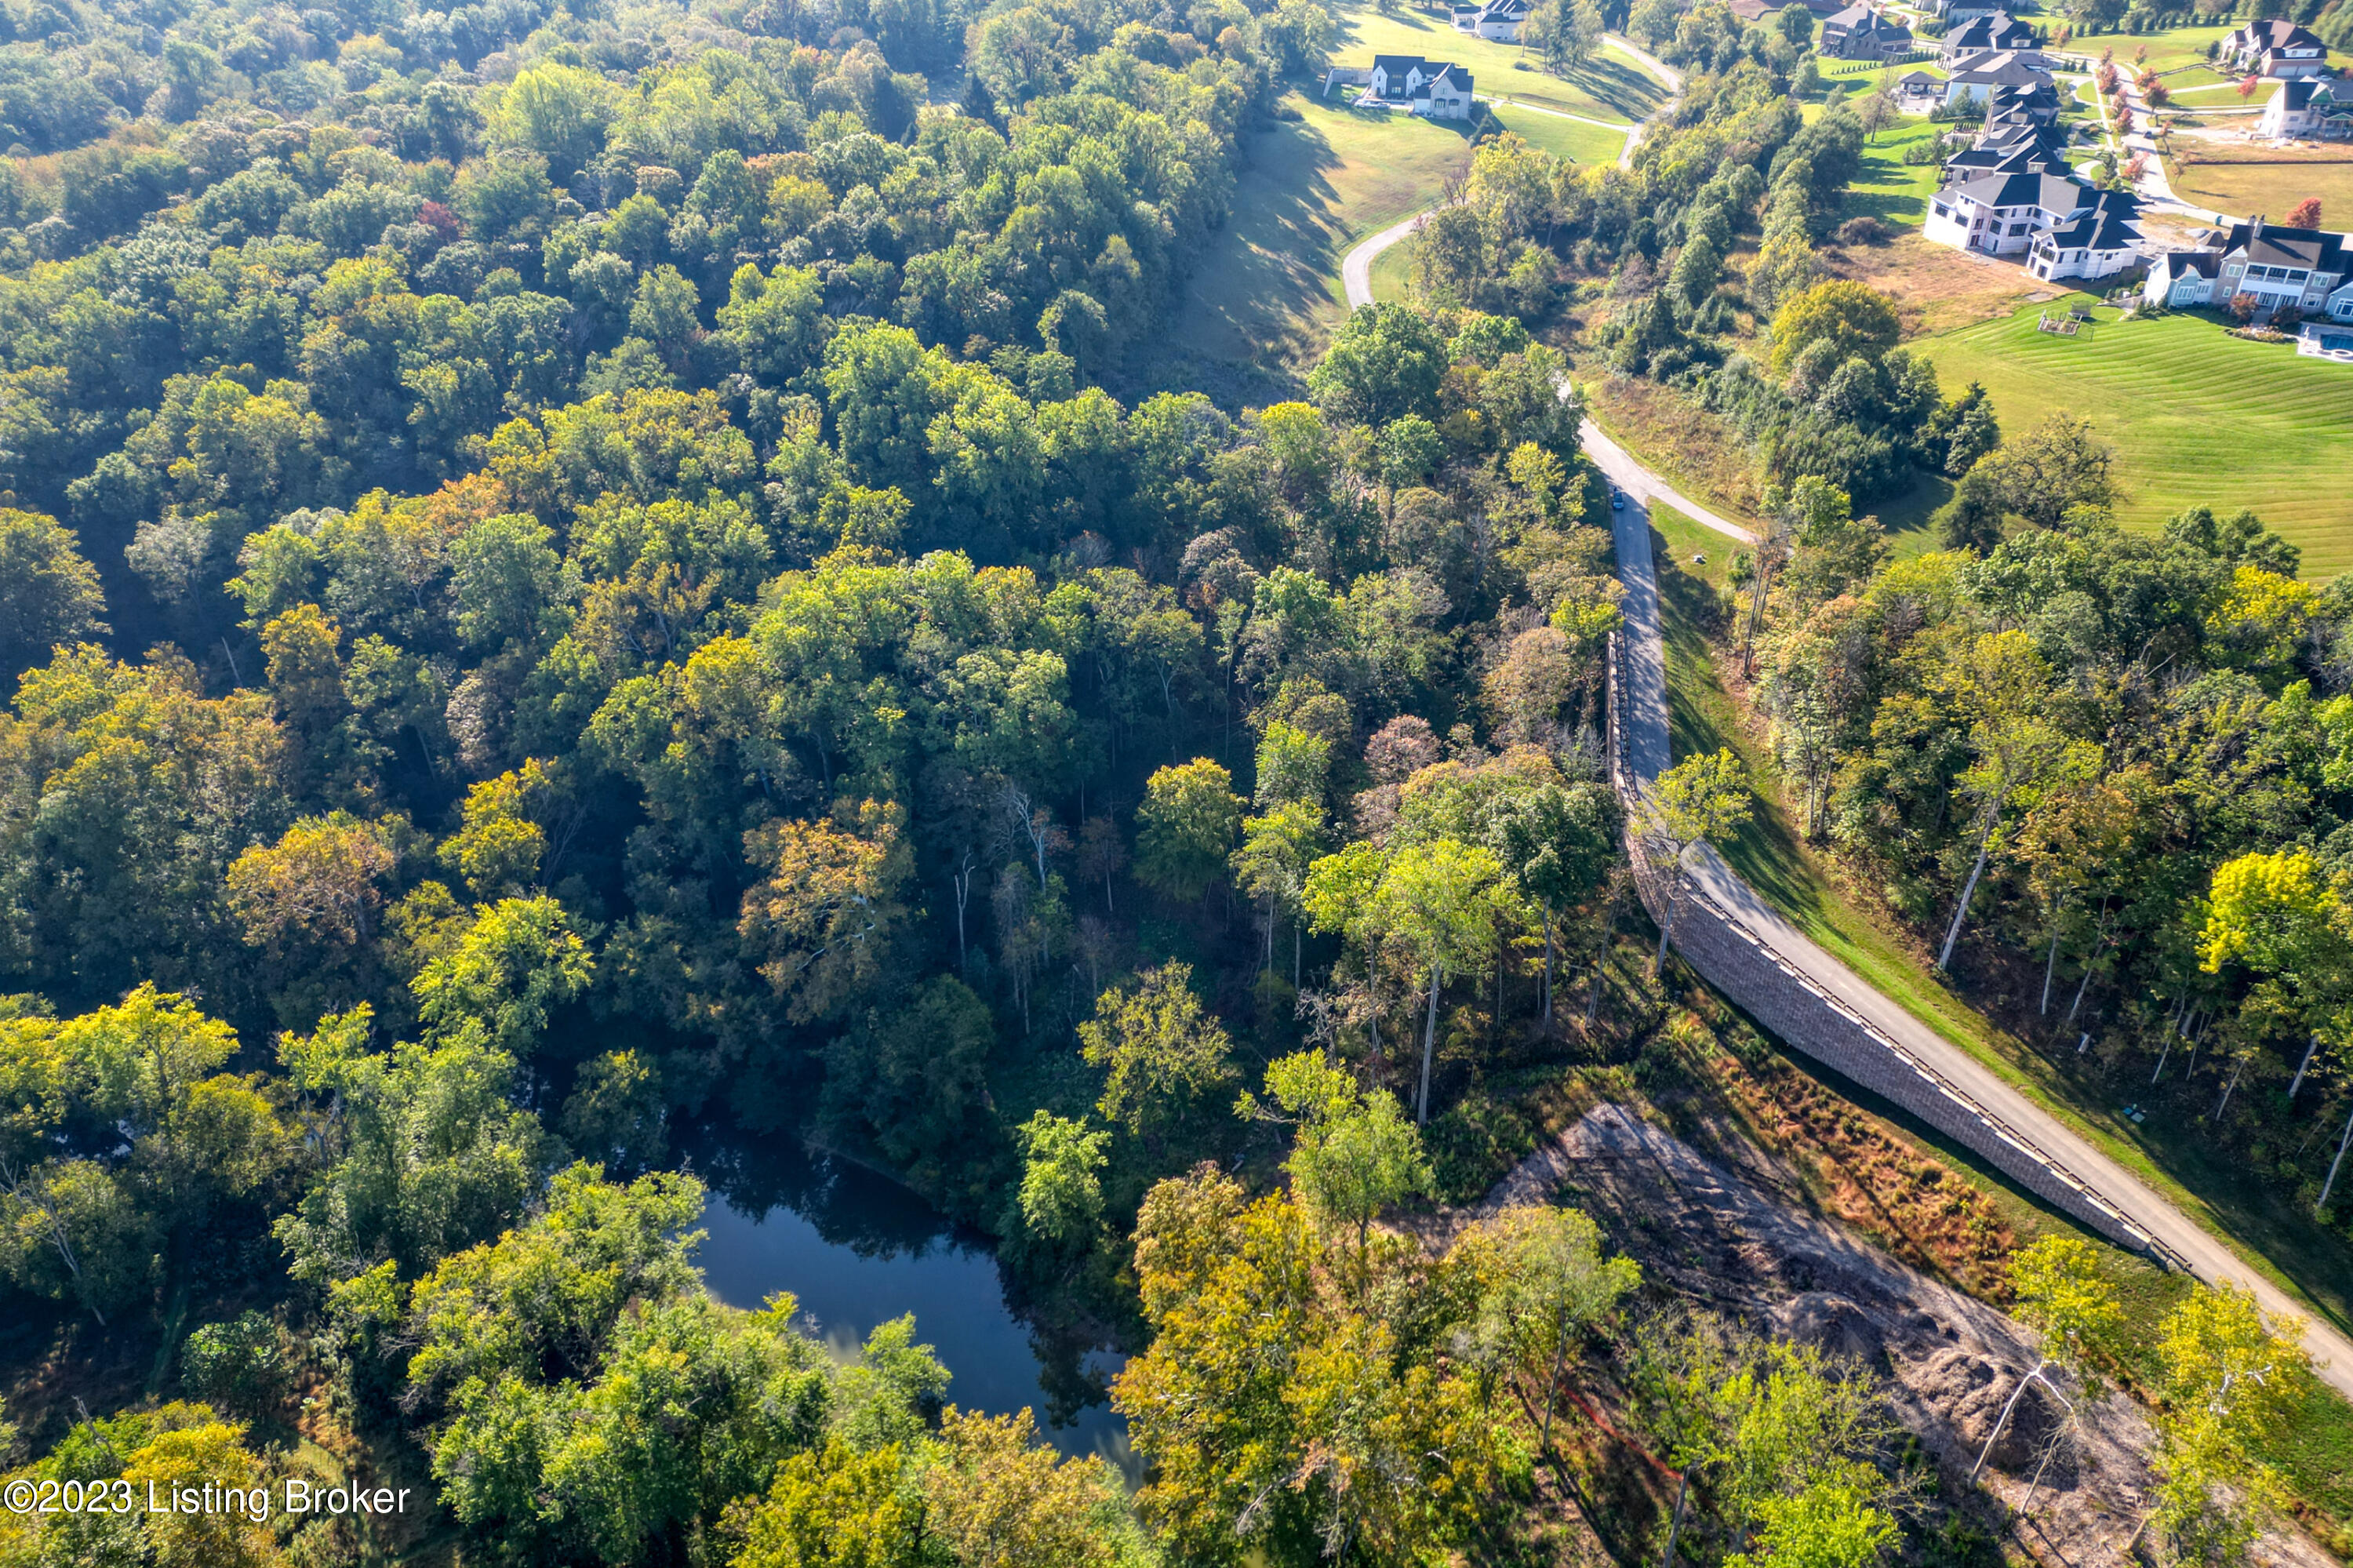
column 576, row 575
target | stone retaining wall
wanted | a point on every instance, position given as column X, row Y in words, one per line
column 1804, row 1016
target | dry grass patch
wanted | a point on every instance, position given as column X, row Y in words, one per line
column 1910, row 1203
column 1669, row 432
column 2245, row 177
column 1936, row 286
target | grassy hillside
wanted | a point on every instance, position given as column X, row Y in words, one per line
column 1267, row 289
column 1612, row 87
column 1889, row 189
column 1571, row 139
column 2195, row 416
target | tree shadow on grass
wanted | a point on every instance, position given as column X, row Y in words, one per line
column 1257, row 283
column 1700, row 718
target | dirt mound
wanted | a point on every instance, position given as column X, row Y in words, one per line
column 1740, row 1242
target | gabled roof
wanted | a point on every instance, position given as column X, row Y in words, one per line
column 1454, row 75
column 2276, row 33
column 1998, row 31
column 1399, row 65
column 2300, row 92
column 2051, row 193
column 2183, row 263
column 2271, row 245
column 2111, row 222
column 1997, row 68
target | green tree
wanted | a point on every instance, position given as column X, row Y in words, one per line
column 49, row 594
column 1544, row 1284
column 1385, row 363
column 1061, row 1176
column 1161, row 1052
column 1700, row 800
column 516, row 964
column 1272, row 863
column 1352, row 1154
column 1853, row 318
column 1443, row 899
column 559, row 111
column 1185, row 827
column 2230, row 1382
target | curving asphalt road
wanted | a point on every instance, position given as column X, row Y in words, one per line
column 1357, row 266
column 1645, row 729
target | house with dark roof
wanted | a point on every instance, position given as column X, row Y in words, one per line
column 2308, row 271
column 1859, row 33
column 2305, row 109
column 1498, row 20
column 2000, row 213
column 2096, row 241
column 1433, row 88
column 2275, row 48
column 1994, row 30
column 1953, row 13
column 2033, row 151
column 1977, row 75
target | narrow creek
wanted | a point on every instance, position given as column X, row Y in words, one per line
column 858, row 1250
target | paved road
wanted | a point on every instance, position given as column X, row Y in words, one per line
column 1664, row 73
column 1357, row 266
column 1646, row 737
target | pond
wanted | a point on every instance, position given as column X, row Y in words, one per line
column 858, row 1250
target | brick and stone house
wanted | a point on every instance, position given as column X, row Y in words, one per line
column 2275, row 47
column 2309, row 271
column 1859, row 33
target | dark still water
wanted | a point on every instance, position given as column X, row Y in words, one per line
column 858, row 1250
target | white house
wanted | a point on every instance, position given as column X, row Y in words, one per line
column 1999, row 215
column 1499, row 20
column 2304, row 109
column 2309, row 271
column 2275, row 48
column 2096, row 241
column 1432, row 87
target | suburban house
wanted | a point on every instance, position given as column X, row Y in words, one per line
column 2013, row 149
column 1953, row 13
column 2034, row 103
column 2275, row 48
column 1500, row 20
column 2001, row 215
column 1433, row 88
column 1995, row 30
column 2096, row 241
column 1859, row 33
column 2308, row 271
column 1977, row 75
column 2304, row 109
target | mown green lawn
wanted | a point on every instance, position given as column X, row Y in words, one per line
column 2195, row 416
column 2182, row 47
column 1571, row 139
column 1889, row 189
column 1265, row 292
column 1612, row 87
